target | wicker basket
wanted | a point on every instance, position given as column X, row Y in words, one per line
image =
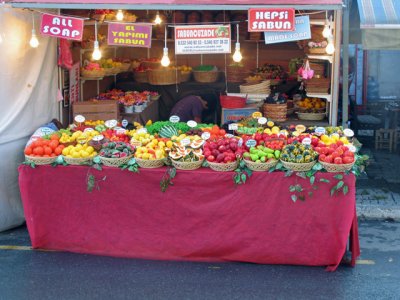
column 115, row 162
column 163, row 76
column 223, row 167
column 317, row 50
column 262, row 87
column 40, row 160
column 298, row 167
column 93, row 73
column 275, row 112
column 205, row 76
column 187, row 165
column 150, row 164
column 254, row 166
column 311, row 116
column 185, row 76
column 76, row 161
column 334, row 168
column 140, row 77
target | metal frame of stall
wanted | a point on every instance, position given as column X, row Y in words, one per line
column 338, row 16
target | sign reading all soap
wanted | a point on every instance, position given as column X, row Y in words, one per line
column 62, row 27
column 270, row 19
column 128, row 34
column 202, row 39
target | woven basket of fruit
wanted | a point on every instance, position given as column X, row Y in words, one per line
column 115, row 162
column 185, row 76
column 335, row 168
column 164, row 76
column 311, row 116
column 150, row 163
column 93, row 73
column 256, row 87
column 275, row 112
column 187, row 165
column 140, row 77
column 298, row 167
column 317, row 50
column 76, row 161
column 223, row 167
column 205, row 76
column 40, row 160
column 260, row 166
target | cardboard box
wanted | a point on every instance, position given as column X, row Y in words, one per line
column 96, row 110
column 236, row 114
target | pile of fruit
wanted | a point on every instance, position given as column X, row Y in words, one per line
column 225, row 150
column 311, row 105
column 156, row 149
column 261, row 154
column 298, row 153
column 79, row 151
column 44, row 148
column 116, row 150
column 336, row 153
column 270, row 71
column 187, row 153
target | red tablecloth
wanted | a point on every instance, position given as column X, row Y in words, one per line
column 203, row 217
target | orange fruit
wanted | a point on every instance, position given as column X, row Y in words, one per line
column 28, row 150
column 47, row 150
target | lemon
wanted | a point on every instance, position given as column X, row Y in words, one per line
column 275, row 129
column 270, row 123
column 83, row 153
column 89, row 149
column 65, row 151
column 169, row 144
column 146, row 156
column 267, row 131
column 75, row 154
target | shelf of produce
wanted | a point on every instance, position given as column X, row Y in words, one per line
column 322, row 57
column 197, row 225
column 328, row 97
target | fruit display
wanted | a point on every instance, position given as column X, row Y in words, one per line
column 225, row 150
column 141, row 138
column 336, row 153
column 78, row 137
column 92, row 69
column 270, row 71
column 261, row 154
column 184, row 69
column 298, row 153
column 156, row 149
column 187, row 153
column 116, row 150
column 110, row 66
column 44, row 148
column 254, row 78
column 311, row 105
column 79, row 151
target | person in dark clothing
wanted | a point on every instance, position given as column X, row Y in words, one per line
column 190, row 108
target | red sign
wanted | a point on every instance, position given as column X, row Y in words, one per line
column 271, row 19
column 62, row 27
column 128, row 34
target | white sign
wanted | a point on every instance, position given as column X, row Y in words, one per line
column 306, row 141
column 251, row 143
column 98, row 138
column 174, row 119
column 120, row 130
column 205, row 135
column 88, row 129
column 240, row 142
column 229, row 136
column 202, row 39
column 185, row 142
column 320, row 130
column 111, row 123
column 262, row 120
column 348, row 132
column 124, row 123
column 79, row 119
column 191, row 123
column 233, row 126
column 142, row 130
column 352, row 148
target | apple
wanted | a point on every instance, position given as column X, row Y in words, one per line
column 338, row 161
column 211, row 158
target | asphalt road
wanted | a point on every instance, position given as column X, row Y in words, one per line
column 27, row 274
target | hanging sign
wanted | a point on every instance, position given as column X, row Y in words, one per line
column 128, row 34
column 62, row 27
column 270, row 19
column 74, row 83
column 302, row 32
column 202, row 39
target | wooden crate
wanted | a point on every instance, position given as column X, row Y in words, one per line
column 96, row 110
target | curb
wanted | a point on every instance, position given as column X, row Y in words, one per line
column 368, row 212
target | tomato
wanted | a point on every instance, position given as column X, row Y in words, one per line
column 322, row 157
column 28, row 150
column 335, row 154
column 47, row 150
column 348, row 153
column 329, row 159
column 211, row 158
column 58, row 150
column 54, row 136
column 348, row 160
column 38, row 151
column 53, row 144
column 338, row 161
column 222, row 132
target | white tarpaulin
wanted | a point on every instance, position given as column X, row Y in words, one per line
column 28, row 99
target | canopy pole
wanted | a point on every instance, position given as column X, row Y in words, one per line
column 333, row 114
column 345, row 69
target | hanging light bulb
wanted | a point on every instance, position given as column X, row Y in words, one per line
column 165, row 59
column 96, row 55
column 120, row 15
column 237, row 56
column 157, row 20
column 330, row 48
column 34, row 42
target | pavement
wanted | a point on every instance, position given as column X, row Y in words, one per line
column 378, row 191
